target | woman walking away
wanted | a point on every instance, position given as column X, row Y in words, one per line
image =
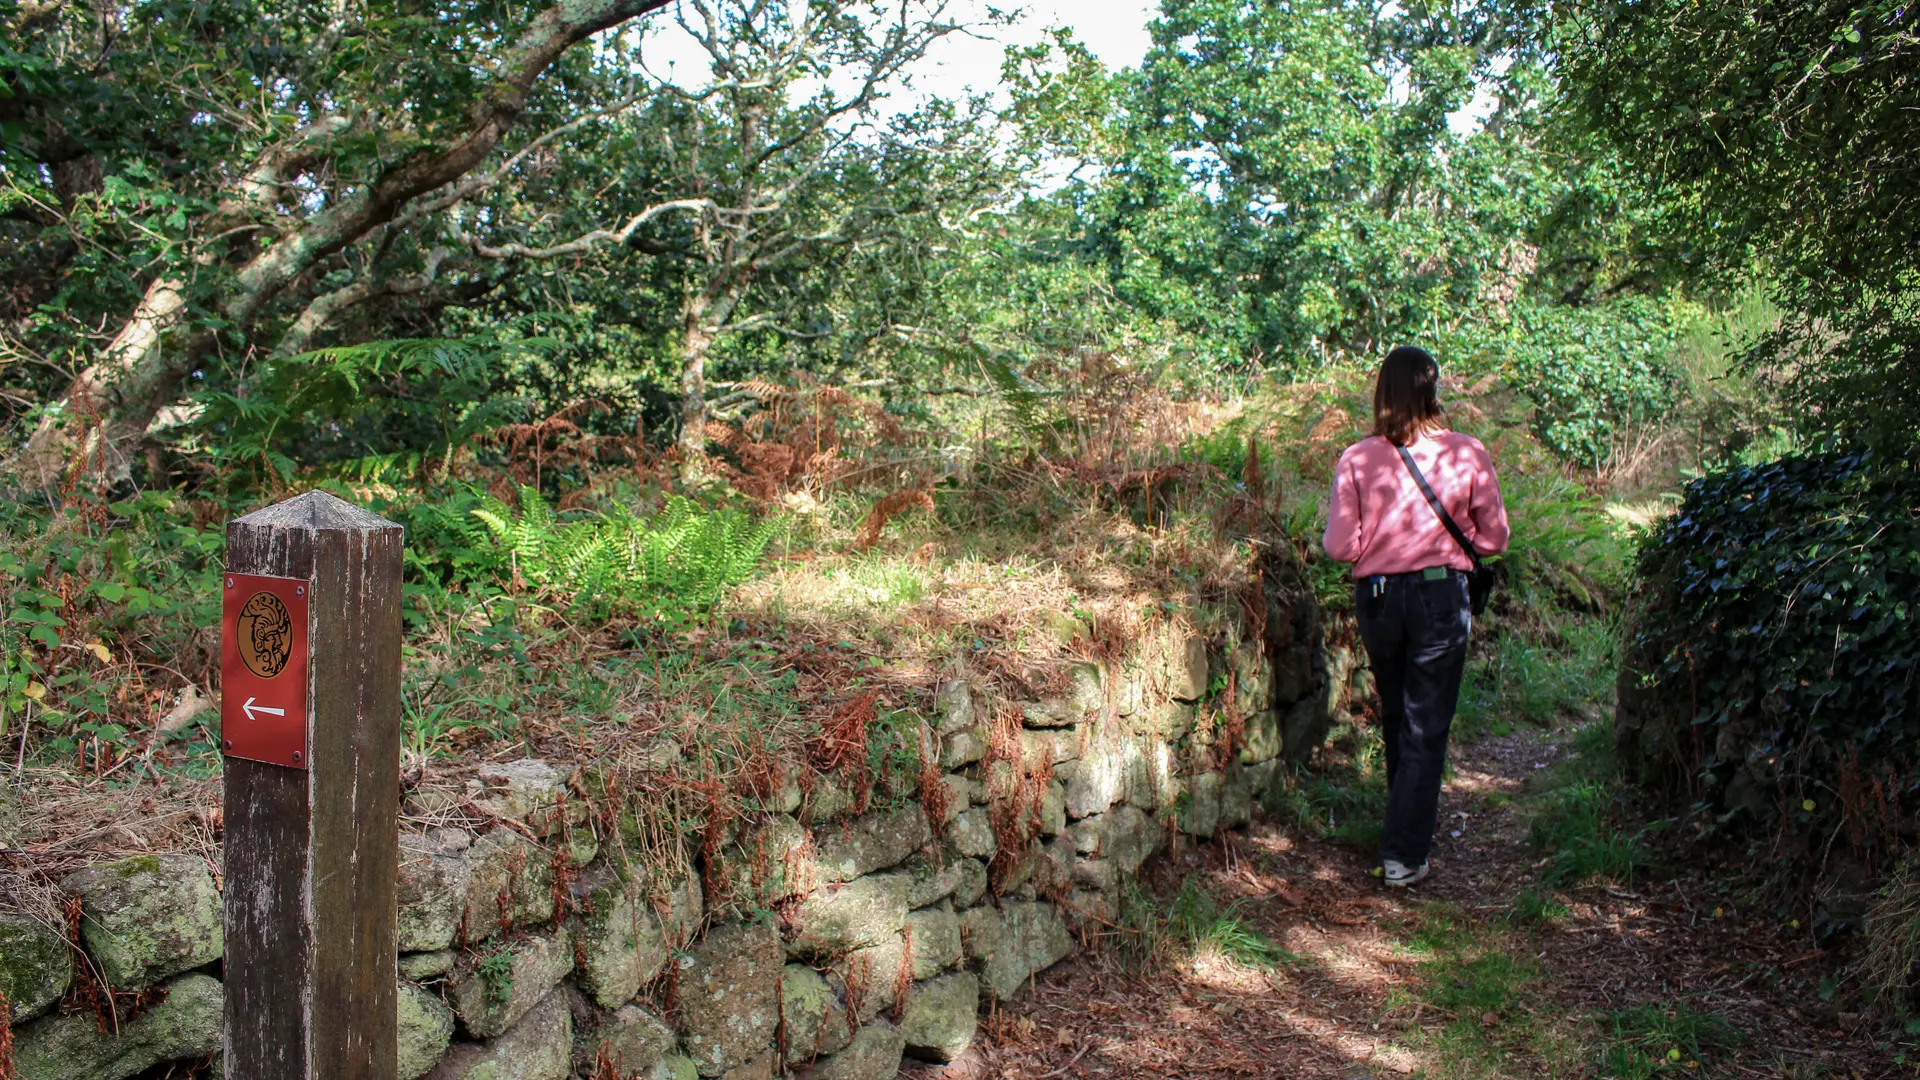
column 1414, row 508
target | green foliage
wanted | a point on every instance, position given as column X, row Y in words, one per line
column 1777, row 640
column 1531, row 907
column 1565, row 552
column 93, row 599
column 1595, row 376
column 1577, row 828
column 1649, row 1039
column 1537, row 683
column 665, row 571
column 357, row 407
column 1347, row 802
column 496, row 973
column 1467, row 972
column 1201, row 921
column 1782, row 131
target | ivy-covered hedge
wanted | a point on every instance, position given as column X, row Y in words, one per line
column 1771, row 667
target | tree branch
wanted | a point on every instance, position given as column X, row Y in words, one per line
column 586, row 241
column 551, row 34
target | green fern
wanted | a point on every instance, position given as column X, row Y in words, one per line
column 666, row 570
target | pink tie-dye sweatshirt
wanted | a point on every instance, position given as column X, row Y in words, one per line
column 1381, row 523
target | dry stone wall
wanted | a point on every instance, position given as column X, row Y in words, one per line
column 819, row 942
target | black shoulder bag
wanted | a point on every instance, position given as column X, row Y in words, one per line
column 1480, row 581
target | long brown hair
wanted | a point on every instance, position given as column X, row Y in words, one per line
column 1406, row 399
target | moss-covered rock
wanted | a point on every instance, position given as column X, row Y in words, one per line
column 617, row 940
column 1185, row 675
column 36, row 966
column 1151, row 781
column 828, row 799
column 632, row 1040
column 494, row 987
column 148, row 917
column 432, row 886
column 538, row 1047
column 1236, row 798
column 962, row 747
column 973, row 882
column 971, row 834
column 426, row 1029
column 531, row 792
column 760, row 1068
column 932, row 879
column 422, row 966
column 185, row 1025
column 1304, row 726
column 1200, row 810
column 1050, row 747
column 772, row 860
column 874, row 1054
column 1125, row 835
column 941, row 1016
column 510, row 882
column 1098, row 779
column 1033, row 936
column 935, row 934
column 953, row 706
column 872, row 842
column 730, row 996
column 959, row 798
column 859, row 913
column 1260, row 740
column 982, row 931
column 677, row 902
column 1086, row 697
column 1252, row 677
column 816, row 1021
column 1266, row 782
column 1053, row 809
column 869, row 979
column 1092, row 908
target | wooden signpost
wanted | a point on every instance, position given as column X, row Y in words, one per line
column 310, row 725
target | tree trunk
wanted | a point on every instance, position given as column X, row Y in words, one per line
column 115, row 399
column 108, row 405
column 696, row 338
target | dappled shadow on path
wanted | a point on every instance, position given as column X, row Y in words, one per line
column 1354, row 997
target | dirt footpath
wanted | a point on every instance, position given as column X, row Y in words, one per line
column 1381, row 983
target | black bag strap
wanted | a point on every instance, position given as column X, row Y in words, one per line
column 1433, row 500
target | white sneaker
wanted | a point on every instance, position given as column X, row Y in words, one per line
column 1400, row 875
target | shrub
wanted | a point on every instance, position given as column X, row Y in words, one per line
column 1772, row 672
column 665, row 570
column 1594, row 375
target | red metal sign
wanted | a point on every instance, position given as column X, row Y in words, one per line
column 263, row 669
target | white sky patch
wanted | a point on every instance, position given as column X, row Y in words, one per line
column 1113, row 30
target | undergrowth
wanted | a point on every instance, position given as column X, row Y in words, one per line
column 1481, row 982
column 1207, row 927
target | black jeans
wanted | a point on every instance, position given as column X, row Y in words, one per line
column 1416, row 635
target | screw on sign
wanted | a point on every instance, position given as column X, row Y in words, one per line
column 263, row 669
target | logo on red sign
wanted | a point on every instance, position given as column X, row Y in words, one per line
column 263, row 669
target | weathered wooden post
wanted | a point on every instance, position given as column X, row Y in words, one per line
column 310, row 726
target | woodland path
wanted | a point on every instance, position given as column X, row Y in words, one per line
column 1359, row 1001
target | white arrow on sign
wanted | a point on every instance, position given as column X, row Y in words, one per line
column 250, row 708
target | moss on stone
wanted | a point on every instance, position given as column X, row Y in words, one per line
column 148, row 917
column 35, row 966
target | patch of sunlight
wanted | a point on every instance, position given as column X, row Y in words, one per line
column 1477, row 782
column 1358, row 962
column 1640, row 517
